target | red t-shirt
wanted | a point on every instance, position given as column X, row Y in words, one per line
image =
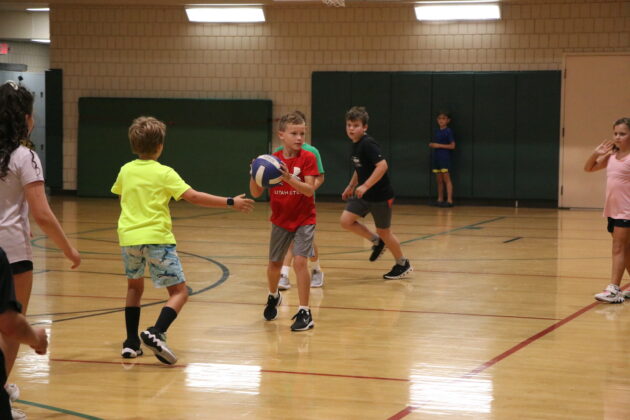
column 291, row 209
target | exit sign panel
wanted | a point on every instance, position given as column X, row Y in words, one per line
column 4, row 48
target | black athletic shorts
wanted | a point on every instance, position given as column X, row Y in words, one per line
column 617, row 222
column 21, row 267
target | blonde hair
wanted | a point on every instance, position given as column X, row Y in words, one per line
column 146, row 134
column 292, row 118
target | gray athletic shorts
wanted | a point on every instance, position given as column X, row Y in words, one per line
column 281, row 240
column 381, row 210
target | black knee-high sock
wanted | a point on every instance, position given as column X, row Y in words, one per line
column 132, row 320
column 167, row 316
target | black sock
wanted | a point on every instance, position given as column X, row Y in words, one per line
column 132, row 320
column 167, row 316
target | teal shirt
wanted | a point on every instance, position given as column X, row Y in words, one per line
column 313, row 150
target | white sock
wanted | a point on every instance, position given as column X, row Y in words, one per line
column 315, row 266
column 401, row 261
column 306, row 308
column 284, row 271
column 376, row 239
column 275, row 295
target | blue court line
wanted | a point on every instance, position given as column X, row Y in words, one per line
column 60, row 410
column 513, row 239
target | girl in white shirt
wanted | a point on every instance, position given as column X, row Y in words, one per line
column 22, row 192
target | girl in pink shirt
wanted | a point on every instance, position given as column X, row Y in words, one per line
column 614, row 155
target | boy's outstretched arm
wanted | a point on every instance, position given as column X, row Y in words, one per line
column 379, row 171
column 208, row 200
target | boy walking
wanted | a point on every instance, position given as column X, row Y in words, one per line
column 145, row 188
column 292, row 218
column 370, row 191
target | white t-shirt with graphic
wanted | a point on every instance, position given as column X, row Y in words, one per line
column 24, row 168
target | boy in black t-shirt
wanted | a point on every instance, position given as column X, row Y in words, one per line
column 370, row 191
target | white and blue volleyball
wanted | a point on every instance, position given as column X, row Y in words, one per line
column 266, row 171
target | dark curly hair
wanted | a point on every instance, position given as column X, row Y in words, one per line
column 16, row 102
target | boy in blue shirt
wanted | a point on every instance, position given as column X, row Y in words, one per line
column 443, row 144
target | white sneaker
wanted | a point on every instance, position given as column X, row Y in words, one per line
column 18, row 414
column 284, row 284
column 611, row 294
column 13, row 391
column 317, row 278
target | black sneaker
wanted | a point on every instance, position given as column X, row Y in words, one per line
column 399, row 271
column 156, row 341
column 271, row 310
column 377, row 250
column 303, row 321
column 131, row 349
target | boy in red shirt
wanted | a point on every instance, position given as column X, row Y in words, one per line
column 292, row 218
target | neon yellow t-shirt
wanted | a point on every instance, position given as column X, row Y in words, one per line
column 145, row 188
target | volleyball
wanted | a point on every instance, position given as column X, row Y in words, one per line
column 266, row 171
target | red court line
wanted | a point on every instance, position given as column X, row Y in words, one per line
column 334, row 375
column 389, row 310
column 402, row 413
column 287, row 372
column 528, row 341
column 194, row 300
column 407, row 410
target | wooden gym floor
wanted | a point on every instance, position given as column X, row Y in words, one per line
column 496, row 322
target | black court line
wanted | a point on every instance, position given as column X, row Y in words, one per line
column 513, row 239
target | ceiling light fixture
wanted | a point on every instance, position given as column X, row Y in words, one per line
column 227, row 14
column 440, row 11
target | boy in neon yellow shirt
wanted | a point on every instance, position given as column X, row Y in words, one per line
column 145, row 188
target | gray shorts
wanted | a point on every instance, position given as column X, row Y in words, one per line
column 381, row 210
column 281, row 240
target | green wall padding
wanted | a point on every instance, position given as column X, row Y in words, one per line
column 209, row 142
column 409, row 151
column 331, row 95
column 493, row 133
column 537, row 125
column 506, row 127
column 454, row 93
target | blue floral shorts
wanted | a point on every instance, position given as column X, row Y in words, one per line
column 164, row 265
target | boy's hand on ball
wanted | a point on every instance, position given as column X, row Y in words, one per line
column 285, row 171
column 243, row 204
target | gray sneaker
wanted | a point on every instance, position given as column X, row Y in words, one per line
column 284, row 284
column 317, row 278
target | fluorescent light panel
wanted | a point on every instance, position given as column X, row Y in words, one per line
column 458, row 11
column 38, row 9
column 218, row 14
column 41, row 41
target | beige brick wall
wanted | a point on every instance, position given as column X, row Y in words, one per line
column 154, row 52
column 35, row 56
